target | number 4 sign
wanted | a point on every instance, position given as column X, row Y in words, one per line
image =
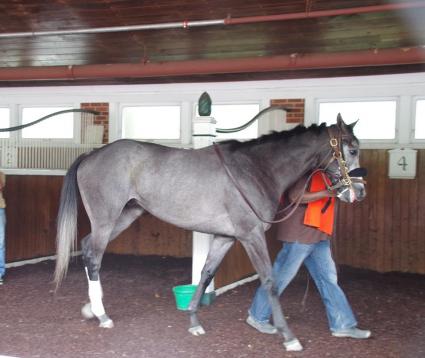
column 402, row 163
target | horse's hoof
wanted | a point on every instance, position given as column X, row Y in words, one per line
column 87, row 312
column 293, row 345
column 106, row 322
column 196, row 331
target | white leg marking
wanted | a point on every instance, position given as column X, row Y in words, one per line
column 95, row 295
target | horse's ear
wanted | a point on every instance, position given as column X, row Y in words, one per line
column 339, row 121
column 345, row 128
column 352, row 125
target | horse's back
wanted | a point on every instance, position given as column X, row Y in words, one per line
column 122, row 157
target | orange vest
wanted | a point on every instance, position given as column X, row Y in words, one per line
column 323, row 221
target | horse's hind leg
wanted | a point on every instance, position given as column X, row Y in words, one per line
column 220, row 245
column 93, row 248
column 92, row 255
column 256, row 248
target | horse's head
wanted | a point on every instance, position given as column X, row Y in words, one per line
column 344, row 169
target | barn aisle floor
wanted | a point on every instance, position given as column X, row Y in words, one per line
column 34, row 322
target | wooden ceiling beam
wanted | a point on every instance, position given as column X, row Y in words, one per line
column 226, row 21
column 355, row 59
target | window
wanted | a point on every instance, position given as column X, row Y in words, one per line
column 420, row 120
column 377, row 119
column 151, row 122
column 56, row 127
column 4, row 121
column 235, row 115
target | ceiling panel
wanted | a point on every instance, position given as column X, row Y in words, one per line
column 396, row 29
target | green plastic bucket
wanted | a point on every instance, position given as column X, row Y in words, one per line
column 183, row 294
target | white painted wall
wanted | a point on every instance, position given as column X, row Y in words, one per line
column 404, row 88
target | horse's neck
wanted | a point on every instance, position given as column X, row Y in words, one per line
column 290, row 158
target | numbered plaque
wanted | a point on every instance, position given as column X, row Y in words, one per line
column 402, row 163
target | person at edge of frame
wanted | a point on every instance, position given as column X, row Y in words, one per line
column 2, row 228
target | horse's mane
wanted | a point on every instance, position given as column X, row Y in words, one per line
column 274, row 136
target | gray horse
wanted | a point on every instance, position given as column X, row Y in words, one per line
column 220, row 191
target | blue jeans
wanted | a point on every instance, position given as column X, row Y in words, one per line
column 2, row 242
column 318, row 260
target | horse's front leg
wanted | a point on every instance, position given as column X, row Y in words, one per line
column 256, row 248
column 92, row 257
column 220, row 245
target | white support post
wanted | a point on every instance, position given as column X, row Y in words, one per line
column 203, row 136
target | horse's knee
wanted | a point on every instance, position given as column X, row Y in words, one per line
column 206, row 277
column 268, row 283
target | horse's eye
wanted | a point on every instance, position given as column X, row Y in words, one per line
column 353, row 152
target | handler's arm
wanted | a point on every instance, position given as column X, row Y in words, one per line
column 300, row 189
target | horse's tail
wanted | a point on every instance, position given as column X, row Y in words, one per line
column 66, row 236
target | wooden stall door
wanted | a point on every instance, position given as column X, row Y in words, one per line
column 386, row 231
column 32, row 208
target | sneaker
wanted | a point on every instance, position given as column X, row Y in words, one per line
column 353, row 332
column 264, row 327
column 1, row 280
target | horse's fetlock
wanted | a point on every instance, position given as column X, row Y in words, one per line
column 192, row 311
column 274, row 290
column 207, row 273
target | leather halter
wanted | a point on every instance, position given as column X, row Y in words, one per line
column 338, row 155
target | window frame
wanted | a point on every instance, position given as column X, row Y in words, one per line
column 76, row 138
column 169, row 142
column 415, row 100
column 10, row 121
column 233, row 103
column 375, row 143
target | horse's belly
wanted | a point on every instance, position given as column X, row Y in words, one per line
column 197, row 221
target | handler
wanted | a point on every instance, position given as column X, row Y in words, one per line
column 306, row 239
column 2, row 228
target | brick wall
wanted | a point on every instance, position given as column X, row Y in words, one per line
column 297, row 109
column 102, row 118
